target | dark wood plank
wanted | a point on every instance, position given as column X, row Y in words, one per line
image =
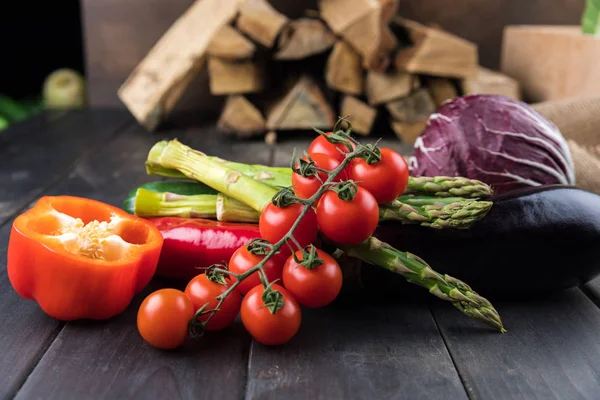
column 25, row 331
column 32, row 163
column 358, row 352
column 29, row 129
column 109, row 358
column 551, row 350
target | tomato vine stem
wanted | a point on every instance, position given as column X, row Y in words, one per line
column 283, row 198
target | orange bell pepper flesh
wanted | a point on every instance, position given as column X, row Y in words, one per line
column 81, row 258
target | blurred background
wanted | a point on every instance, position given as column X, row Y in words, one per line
column 104, row 41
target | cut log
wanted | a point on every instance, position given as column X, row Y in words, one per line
column 408, row 132
column 382, row 87
column 436, row 52
column 389, row 8
column 414, row 108
column 343, row 71
column 360, row 23
column 229, row 77
column 361, row 115
column 441, row 89
column 230, row 44
column 303, row 106
column 241, row 117
column 260, row 21
column 491, row 82
column 163, row 75
column 303, row 38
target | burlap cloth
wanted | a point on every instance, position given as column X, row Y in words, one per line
column 579, row 122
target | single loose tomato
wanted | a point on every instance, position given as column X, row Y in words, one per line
column 306, row 186
column 316, row 286
column 275, row 222
column 163, row 318
column 203, row 289
column 386, row 179
column 243, row 260
column 266, row 327
column 321, row 145
column 348, row 221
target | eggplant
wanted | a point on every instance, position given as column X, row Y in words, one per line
column 533, row 240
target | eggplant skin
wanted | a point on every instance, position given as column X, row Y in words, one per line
column 532, row 241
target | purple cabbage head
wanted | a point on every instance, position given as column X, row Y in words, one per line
column 500, row 141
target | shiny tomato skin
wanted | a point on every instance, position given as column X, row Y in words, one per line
column 163, row 318
column 275, row 222
column 202, row 290
column 242, row 260
column 348, row 222
column 316, row 287
column 266, row 328
column 321, row 145
column 386, row 179
column 305, row 187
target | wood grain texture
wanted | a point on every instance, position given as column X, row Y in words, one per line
column 35, row 159
column 109, row 358
column 25, row 330
column 551, row 350
column 357, row 352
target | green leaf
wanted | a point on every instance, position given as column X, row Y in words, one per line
column 3, row 123
column 590, row 21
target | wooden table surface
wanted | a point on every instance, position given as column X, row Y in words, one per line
column 418, row 349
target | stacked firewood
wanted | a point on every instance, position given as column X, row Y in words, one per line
column 353, row 58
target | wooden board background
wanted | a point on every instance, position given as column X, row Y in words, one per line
column 118, row 34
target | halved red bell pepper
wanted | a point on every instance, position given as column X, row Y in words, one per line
column 193, row 244
column 81, row 258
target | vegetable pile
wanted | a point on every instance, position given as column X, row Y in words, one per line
column 257, row 242
column 333, row 196
column 501, row 141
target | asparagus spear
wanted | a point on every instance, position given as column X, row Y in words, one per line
column 448, row 186
column 460, row 214
column 258, row 195
column 417, row 271
column 439, row 186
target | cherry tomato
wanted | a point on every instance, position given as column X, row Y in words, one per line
column 265, row 327
column 305, row 187
column 315, row 287
column 320, row 144
column 163, row 318
column 242, row 260
column 348, row 221
column 202, row 290
column 275, row 222
column 386, row 179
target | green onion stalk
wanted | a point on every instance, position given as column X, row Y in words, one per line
column 174, row 155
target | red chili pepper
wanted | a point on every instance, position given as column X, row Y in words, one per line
column 192, row 244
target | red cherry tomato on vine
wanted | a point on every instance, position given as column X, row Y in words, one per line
column 242, row 260
column 321, row 145
column 305, row 187
column 386, row 179
column 163, row 318
column 202, row 290
column 265, row 327
column 275, row 222
column 348, row 221
column 315, row 287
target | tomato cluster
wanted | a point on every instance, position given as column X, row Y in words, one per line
column 300, row 274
